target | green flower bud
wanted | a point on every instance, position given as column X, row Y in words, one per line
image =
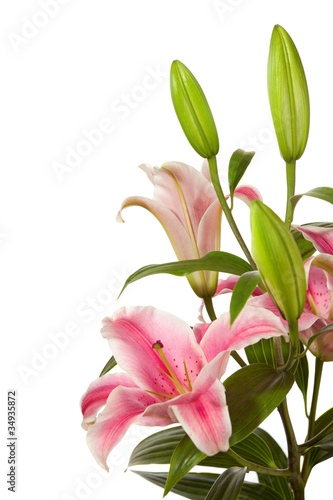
column 279, row 261
column 193, row 111
column 288, row 95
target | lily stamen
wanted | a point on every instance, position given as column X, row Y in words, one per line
column 171, row 375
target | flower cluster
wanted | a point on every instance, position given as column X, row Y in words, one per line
column 281, row 306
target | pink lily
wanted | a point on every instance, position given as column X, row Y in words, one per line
column 318, row 310
column 186, row 205
column 321, row 237
column 170, row 377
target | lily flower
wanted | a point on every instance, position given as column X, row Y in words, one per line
column 318, row 309
column 168, row 376
column 186, row 205
column 320, row 237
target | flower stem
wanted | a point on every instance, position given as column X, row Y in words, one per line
column 291, row 179
column 312, row 416
column 217, row 186
column 293, row 453
column 258, row 468
column 211, row 313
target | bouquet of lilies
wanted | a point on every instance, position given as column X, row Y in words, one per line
column 280, row 313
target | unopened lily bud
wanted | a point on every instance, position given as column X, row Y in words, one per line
column 193, row 111
column 279, row 261
column 288, row 95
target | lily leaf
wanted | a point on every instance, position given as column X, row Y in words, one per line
column 109, row 365
column 305, row 247
column 183, row 459
column 242, row 292
column 196, row 486
column 228, row 485
column 322, row 193
column 263, row 352
column 214, row 261
column 158, row 449
column 320, row 455
column 253, row 392
column 238, row 164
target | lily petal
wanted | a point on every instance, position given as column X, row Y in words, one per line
column 205, row 418
column 132, row 332
column 124, row 406
column 318, row 295
column 252, row 325
column 247, row 194
column 98, row 393
column 321, row 237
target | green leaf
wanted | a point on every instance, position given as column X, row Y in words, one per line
column 214, row 261
column 302, row 376
column 326, row 443
column 278, row 484
column 278, row 454
column 261, row 352
column 196, row 486
column 305, row 247
column 318, row 455
column 228, row 485
column 255, row 491
column 242, row 291
column 322, row 193
column 253, row 392
column 238, row 164
column 184, row 458
column 158, row 449
column 109, row 365
column 193, row 486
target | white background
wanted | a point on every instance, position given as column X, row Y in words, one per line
column 61, row 249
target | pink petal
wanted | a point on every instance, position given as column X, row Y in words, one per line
column 247, row 194
column 306, row 319
column 185, row 191
column 124, row 406
column 321, row 237
column 98, row 392
column 205, row 419
column 322, row 347
column 209, row 239
column 205, row 170
column 199, row 331
column 252, row 325
column 318, row 295
column 133, row 331
column 324, row 261
column 176, row 232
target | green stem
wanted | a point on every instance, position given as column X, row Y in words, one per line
column 303, row 448
column 291, row 179
column 217, row 186
column 211, row 313
column 258, row 468
column 210, row 308
column 312, row 416
column 293, row 453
